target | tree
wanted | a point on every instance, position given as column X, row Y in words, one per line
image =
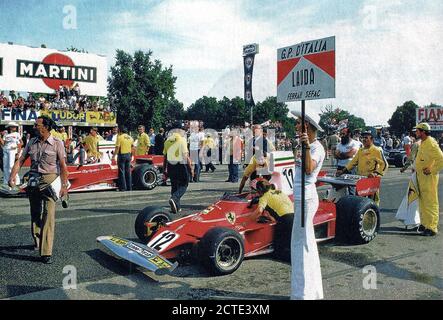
column 74, row 49
column 207, row 110
column 403, row 119
column 332, row 116
column 231, row 112
column 140, row 89
column 174, row 111
column 270, row 109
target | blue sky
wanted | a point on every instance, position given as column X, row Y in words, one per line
column 387, row 51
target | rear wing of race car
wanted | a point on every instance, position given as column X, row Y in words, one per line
column 138, row 254
column 282, row 166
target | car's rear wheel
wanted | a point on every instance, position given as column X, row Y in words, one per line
column 149, row 220
column 221, row 251
column 358, row 220
column 146, row 177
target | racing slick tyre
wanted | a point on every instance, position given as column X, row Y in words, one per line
column 358, row 220
column 400, row 160
column 221, row 251
column 149, row 220
column 282, row 238
column 146, row 177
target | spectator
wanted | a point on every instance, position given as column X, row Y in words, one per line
column 159, row 142
column 152, row 140
column 11, row 144
column 333, row 140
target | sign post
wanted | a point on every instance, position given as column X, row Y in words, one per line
column 306, row 71
column 249, row 52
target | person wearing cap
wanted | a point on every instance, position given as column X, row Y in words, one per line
column 306, row 279
column 177, row 164
column 11, row 144
column 429, row 162
column 143, row 143
column 369, row 161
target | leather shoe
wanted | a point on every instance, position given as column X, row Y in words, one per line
column 46, row 259
column 429, row 233
column 421, row 228
column 174, row 208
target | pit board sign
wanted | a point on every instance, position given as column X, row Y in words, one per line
column 306, row 71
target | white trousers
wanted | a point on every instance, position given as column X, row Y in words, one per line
column 306, row 280
column 8, row 163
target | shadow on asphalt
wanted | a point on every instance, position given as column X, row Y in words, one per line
column 387, row 267
column 398, row 231
column 118, row 266
column 13, row 252
column 145, row 288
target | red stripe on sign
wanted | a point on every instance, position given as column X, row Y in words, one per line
column 284, row 164
column 325, row 61
column 284, row 67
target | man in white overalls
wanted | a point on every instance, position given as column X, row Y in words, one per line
column 306, row 280
column 12, row 144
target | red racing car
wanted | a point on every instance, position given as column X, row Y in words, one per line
column 103, row 174
column 223, row 234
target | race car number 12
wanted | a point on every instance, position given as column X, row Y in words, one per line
column 162, row 240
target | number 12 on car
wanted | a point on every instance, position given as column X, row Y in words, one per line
column 163, row 240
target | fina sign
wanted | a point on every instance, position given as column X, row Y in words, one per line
column 432, row 115
column 306, row 71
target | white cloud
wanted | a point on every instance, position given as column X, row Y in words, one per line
column 378, row 66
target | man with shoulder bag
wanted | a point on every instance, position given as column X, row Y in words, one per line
column 47, row 182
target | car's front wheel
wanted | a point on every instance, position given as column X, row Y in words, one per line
column 149, row 220
column 221, row 251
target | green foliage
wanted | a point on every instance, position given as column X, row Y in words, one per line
column 141, row 90
column 403, row 119
column 331, row 115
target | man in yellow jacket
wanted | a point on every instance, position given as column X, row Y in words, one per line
column 429, row 162
column 369, row 161
column 143, row 142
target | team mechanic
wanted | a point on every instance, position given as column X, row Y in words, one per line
column 369, row 160
column 47, row 162
column 429, row 162
column 178, row 165
column 257, row 167
column 306, row 280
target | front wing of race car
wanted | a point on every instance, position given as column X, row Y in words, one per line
column 138, row 254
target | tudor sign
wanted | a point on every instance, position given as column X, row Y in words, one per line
column 306, row 71
column 44, row 70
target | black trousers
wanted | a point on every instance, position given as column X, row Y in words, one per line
column 124, row 172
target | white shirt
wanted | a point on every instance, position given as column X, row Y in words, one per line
column 318, row 155
column 195, row 139
column 407, row 140
column 11, row 141
column 344, row 148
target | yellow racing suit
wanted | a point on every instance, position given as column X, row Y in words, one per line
column 429, row 156
column 369, row 160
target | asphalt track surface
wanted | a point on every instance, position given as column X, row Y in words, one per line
column 406, row 265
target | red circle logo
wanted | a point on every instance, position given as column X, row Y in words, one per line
column 60, row 60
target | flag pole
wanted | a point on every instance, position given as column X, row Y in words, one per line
column 303, row 166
